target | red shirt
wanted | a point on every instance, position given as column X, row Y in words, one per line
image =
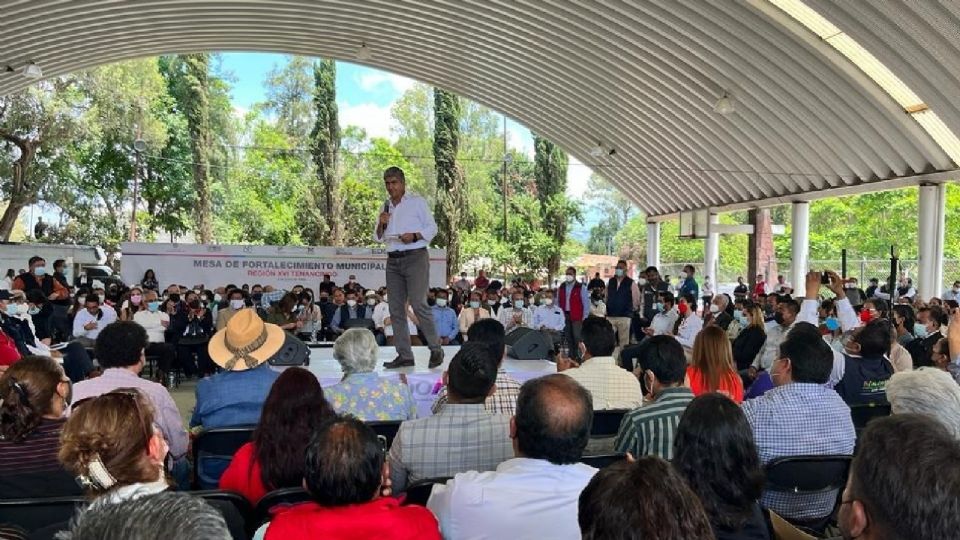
column 243, row 478
column 481, row 282
column 730, row 385
column 380, row 519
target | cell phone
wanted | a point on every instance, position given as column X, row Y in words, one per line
column 825, row 278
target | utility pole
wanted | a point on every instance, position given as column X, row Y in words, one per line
column 507, row 158
column 138, row 147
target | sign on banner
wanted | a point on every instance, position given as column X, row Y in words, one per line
column 280, row 266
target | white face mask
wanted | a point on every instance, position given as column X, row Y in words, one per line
column 641, row 282
column 492, row 301
column 385, row 298
column 351, row 303
column 683, row 275
column 568, row 278
column 714, row 309
column 441, row 302
column 548, row 301
column 371, row 301
column 236, row 304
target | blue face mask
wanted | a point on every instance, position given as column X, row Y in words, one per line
column 919, row 330
column 153, row 306
column 832, row 324
column 619, row 272
column 659, row 306
column 739, row 316
column 12, row 310
column 518, row 304
column 40, row 270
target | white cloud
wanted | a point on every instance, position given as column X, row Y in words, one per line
column 375, row 120
column 240, row 112
column 578, row 175
column 374, row 78
column 519, row 137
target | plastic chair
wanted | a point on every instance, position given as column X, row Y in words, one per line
column 809, row 475
column 862, row 414
column 418, row 493
column 235, row 509
column 217, row 445
column 606, row 424
column 277, row 498
column 33, row 514
column 386, row 428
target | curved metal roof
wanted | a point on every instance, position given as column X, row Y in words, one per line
column 638, row 76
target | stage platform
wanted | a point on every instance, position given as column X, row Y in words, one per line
column 424, row 382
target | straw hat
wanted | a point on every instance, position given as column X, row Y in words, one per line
column 246, row 342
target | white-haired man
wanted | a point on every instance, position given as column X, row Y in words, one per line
column 928, row 391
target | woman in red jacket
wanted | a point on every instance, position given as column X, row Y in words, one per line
column 712, row 369
column 274, row 459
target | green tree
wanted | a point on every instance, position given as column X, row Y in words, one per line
column 550, row 175
column 325, row 226
column 446, row 145
column 291, row 91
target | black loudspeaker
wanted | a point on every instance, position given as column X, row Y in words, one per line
column 527, row 344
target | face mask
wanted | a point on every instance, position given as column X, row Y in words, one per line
column 714, row 309
column 568, row 278
column 324, row 299
column 431, row 301
column 683, row 309
column 475, row 304
column 866, row 316
column 153, row 306
column 683, row 275
column 12, row 310
column 351, row 303
column 102, row 298
column 778, row 318
column 518, row 304
column 135, row 299
column 33, row 311
column 217, row 298
column 739, row 316
column 256, row 296
column 385, row 298
column 619, row 272
column 659, row 306
column 920, row 330
column 236, row 304
column 832, row 323
column 492, row 301
column 641, row 282
column 371, row 301
column 442, row 302
column 197, row 291
column 40, row 270
column 548, row 301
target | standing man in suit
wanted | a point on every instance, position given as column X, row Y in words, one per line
column 406, row 226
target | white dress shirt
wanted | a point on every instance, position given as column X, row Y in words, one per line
column 506, row 318
column 380, row 312
column 152, row 322
column 524, row 499
column 550, row 317
column 388, row 328
column 663, row 322
column 84, row 317
column 410, row 216
column 688, row 330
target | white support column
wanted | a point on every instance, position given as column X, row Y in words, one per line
column 799, row 246
column 930, row 225
column 711, row 248
column 653, row 243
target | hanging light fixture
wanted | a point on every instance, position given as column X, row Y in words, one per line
column 725, row 105
column 32, row 71
column 363, row 52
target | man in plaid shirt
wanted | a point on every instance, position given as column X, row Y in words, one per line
column 506, row 388
column 463, row 436
column 801, row 417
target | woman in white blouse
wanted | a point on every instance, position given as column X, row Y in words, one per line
column 471, row 313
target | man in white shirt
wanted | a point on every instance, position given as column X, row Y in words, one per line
column 406, row 226
column 516, row 315
column 548, row 318
column 89, row 321
column 952, row 293
column 786, row 315
column 534, row 495
column 666, row 317
column 611, row 386
column 156, row 322
column 381, row 312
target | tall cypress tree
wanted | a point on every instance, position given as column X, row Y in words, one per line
column 326, row 228
column 450, row 185
column 196, row 104
column 550, row 175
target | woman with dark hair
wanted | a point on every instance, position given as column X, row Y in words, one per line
column 715, row 451
column 34, row 392
column 284, row 314
column 904, row 317
column 274, row 459
column 660, row 505
column 131, row 303
column 149, row 280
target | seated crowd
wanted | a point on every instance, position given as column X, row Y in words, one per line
column 709, row 405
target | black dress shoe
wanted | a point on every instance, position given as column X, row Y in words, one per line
column 398, row 363
column 436, row 358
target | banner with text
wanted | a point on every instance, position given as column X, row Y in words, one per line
column 280, row 266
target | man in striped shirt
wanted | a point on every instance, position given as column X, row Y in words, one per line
column 649, row 430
